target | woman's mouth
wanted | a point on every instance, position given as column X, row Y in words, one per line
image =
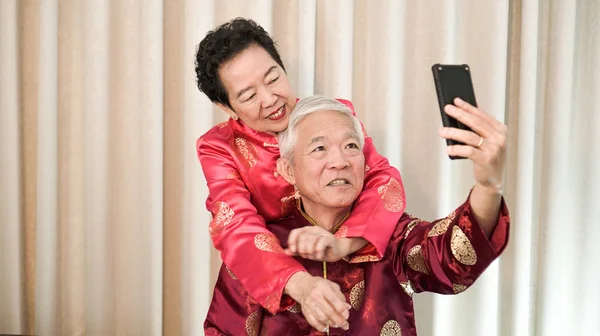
column 280, row 113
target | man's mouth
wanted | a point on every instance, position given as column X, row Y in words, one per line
column 339, row 182
column 277, row 114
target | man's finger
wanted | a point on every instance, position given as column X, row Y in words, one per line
column 479, row 112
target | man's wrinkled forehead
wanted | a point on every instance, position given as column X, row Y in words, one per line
column 350, row 134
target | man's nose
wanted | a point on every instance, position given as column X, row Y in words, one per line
column 337, row 159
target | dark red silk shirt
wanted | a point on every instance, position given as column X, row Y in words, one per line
column 445, row 256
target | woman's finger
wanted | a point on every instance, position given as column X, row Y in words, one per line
column 312, row 320
column 293, row 240
column 321, row 245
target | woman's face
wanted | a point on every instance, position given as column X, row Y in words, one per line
column 258, row 89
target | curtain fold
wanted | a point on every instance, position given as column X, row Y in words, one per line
column 103, row 228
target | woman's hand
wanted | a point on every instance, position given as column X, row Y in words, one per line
column 485, row 145
column 316, row 243
column 322, row 302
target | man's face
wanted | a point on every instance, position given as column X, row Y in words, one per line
column 258, row 89
column 329, row 164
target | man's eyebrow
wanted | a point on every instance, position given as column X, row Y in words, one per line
column 352, row 135
column 316, row 139
column 248, row 88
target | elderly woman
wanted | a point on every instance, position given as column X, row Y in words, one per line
column 322, row 158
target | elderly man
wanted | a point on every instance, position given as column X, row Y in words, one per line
column 322, row 157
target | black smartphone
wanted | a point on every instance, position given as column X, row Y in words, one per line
column 453, row 81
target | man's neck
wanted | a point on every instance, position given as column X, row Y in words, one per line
column 327, row 218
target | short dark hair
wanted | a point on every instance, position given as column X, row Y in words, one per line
column 223, row 44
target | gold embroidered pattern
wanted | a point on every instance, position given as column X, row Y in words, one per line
column 411, row 226
column 458, row 288
column 341, row 232
column 416, row 260
column 234, row 175
column 221, row 219
column 296, row 308
column 363, row 258
column 273, row 300
column 391, row 328
column 222, row 125
column 231, row 273
column 391, row 194
column 267, row 242
column 357, row 295
column 407, row 286
column 442, row 226
column 461, row 247
column 266, row 144
column 287, row 204
column 246, row 149
column 252, row 324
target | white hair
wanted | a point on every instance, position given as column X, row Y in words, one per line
column 305, row 107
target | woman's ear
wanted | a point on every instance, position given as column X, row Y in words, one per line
column 227, row 110
column 284, row 168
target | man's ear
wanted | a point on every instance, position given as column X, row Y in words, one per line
column 227, row 110
column 284, row 168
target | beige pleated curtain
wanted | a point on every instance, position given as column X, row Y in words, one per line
column 103, row 229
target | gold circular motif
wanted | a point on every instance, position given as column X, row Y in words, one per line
column 461, row 247
column 458, row 288
column 416, row 261
column 357, row 295
column 391, row 328
column 407, row 286
column 391, row 193
column 221, row 219
column 296, row 308
column 411, row 226
column 440, row 227
column 253, row 324
column 267, row 242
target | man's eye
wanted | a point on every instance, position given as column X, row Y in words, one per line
column 274, row 80
column 319, row 149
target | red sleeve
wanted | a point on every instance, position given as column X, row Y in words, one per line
column 378, row 208
column 251, row 251
column 446, row 256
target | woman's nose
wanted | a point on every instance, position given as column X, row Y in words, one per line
column 268, row 98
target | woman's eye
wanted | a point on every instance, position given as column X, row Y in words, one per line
column 274, row 80
column 252, row 96
column 352, row 145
